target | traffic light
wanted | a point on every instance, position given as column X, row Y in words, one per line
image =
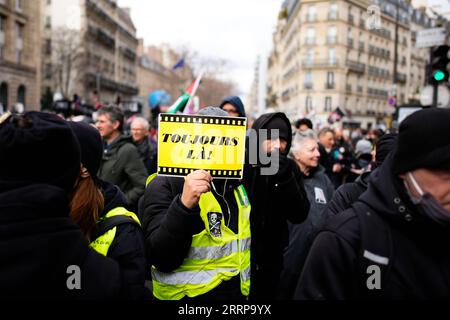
column 440, row 64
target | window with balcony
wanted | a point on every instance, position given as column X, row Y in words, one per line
column 332, row 35
column 309, row 57
column 48, row 22
column 4, row 95
column 2, row 36
column 311, row 15
column 310, row 36
column 331, row 56
column 308, row 104
column 48, row 71
column 333, row 13
column 19, row 5
column 327, row 104
column 48, row 46
column 308, row 80
column 19, row 42
column 330, row 80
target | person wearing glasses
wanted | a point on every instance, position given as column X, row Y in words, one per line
column 233, row 106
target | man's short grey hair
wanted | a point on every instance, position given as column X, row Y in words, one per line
column 142, row 121
column 300, row 138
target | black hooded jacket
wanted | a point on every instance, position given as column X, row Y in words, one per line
column 419, row 264
column 127, row 247
column 169, row 227
column 346, row 194
column 39, row 243
column 275, row 200
column 236, row 102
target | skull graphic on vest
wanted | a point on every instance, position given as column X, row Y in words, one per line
column 214, row 221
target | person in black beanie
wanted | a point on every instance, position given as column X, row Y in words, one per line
column 276, row 199
column 393, row 242
column 40, row 246
column 98, row 207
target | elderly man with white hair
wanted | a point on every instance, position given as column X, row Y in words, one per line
column 319, row 189
column 147, row 148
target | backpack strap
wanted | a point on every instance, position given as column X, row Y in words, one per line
column 376, row 252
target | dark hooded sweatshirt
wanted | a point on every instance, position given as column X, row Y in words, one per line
column 346, row 194
column 275, row 200
column 39, row 243
column 128, row 246
column 236, row 102
column 419, row 262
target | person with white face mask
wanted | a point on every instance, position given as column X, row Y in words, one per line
column 393, row 242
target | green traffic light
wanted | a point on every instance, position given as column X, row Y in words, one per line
column 439, row 75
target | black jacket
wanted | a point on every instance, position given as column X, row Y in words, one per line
column 319, row 190
column 39, row 242
column 275, row 200
column 147, row 150
column 127, row 247
column 337, row 155
column 419, row 262
column 169, row 227
column 121, row 166
column 346, row 194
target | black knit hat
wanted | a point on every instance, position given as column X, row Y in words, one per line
column 39, row 148
column 281, row 125
column 91, row 146
column 423, row 141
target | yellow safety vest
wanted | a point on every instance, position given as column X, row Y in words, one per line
column 215, row 255
column 104, row 241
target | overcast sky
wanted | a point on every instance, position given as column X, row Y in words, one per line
column 235, row 30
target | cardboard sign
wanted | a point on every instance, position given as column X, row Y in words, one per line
column 189, row 143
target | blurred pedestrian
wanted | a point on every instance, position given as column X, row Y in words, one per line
column 98, row 207
column 331, row 158
column 348, row 193
column 121, row 164
column 146, row 147
column 44, row 254
column 303, row 124
column 362, row 161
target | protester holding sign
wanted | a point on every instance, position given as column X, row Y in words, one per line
column 197, row 228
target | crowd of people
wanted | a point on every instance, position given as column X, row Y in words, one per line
column 341, row 206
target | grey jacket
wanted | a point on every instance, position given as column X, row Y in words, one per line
column 122, row 166
column 319, row 189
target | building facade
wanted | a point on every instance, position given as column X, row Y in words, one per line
column 330, row 54
column 19, row 54
column 90, row 49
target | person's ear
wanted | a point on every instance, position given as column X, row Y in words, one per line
column 116, row 125
column 84, row 172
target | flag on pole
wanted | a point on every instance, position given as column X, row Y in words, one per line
column 179, row 64
column 185, row 98
column 192, row 90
